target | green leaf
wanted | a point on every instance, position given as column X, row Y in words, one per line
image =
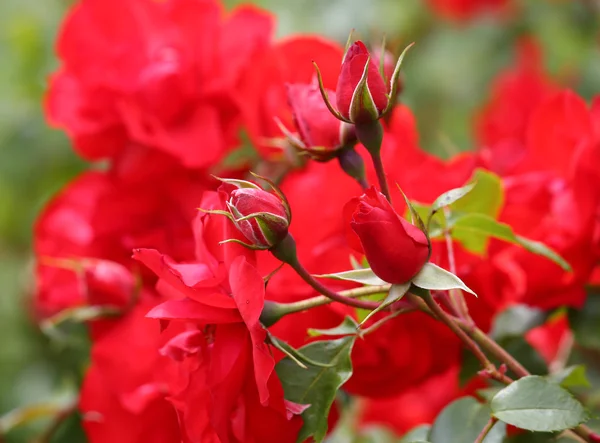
column 516, row 320
column 571, row 377
column 432, row 277
column 420, row 433
column 474, row 230
column 363, row 276
column 347, row 327
column 462, row 421
column 317, row 386
column 487, row 197
column 539, row 248
column 376, row 434
column 396, row 293
column 449, row 197
column 536, row 404
column 488, row 393
column 243, row 155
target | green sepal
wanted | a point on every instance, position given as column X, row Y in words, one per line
column 245, row 245
column 395, row 77
column 241, row 184
column 362, row 100
column 218, row 212
column 325, row 96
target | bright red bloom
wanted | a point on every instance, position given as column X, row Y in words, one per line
column 503, row 123
column 220, row 302
column 99, row 218
column 417, row 405
column 289, row 61
column 352, row 70
column 396, row 250
column 384, row 362
column 147, row 75
column 124, row 392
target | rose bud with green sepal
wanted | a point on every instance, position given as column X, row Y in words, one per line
column 320, row 134
column 395, row 249
column 262, row 217
column 364, row 93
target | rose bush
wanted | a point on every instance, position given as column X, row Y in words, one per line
column 222, row 311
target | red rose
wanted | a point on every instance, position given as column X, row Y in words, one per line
column 147, row 76
column 102, row 217
column 352, row 70
column 395, row 249
column 264, row 85
column 503, row 123
column 419, row 404
column 124, row 393
column 262, row 217
column 321, row 135
column 226, row 372
column 384, row 364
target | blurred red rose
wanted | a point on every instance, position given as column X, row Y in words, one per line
column 102, row 217
column 503, row 123
column 417, row 405
column 402, row 353
column 161, row 74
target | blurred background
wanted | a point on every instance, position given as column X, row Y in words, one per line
column 447, row 77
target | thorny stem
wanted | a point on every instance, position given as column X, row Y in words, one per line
column 286, row 252
column 441, row 315
column 309, row 303
column 487, row 343
column 457, row 298
column 485, row 431
column 334, row 296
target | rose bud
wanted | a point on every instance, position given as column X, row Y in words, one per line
column 263, row 218
column 108, row 283
column 363, row 90
column 320, row 134
column 396, row 250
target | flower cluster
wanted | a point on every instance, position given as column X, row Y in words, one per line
column 160, row 92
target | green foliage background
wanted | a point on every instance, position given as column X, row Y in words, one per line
column 447, row 78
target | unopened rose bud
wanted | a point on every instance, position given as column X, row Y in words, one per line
column 364, row 93
column 320, row 134
column 361, row 90
column 108, row 283
column 262, row 217
column 395, row 249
